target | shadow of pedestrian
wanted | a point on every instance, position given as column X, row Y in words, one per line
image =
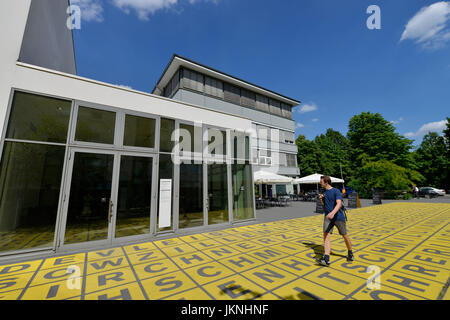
column 319, row 250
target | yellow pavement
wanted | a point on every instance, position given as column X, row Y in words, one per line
column 402, row 248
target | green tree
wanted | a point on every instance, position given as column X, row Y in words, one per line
column 333, row 148
column 447, row 144
column 447, row 138
column 372, row 138
column 307, row 156
column 432, row 160
column 384, row 175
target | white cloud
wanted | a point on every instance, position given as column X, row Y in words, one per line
column 144, row 8
column 124, row 86
column 299, row 125
column 396, row 121
column 315, row 120
column 91, row 10
column 437, row 126
column 430, row 26
column 308, row 108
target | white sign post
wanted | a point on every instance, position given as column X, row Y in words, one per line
column 165, row 203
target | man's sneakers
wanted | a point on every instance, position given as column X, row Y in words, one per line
column 350, row 256
column 324, row 261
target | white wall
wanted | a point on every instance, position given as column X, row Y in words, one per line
column 13, row 17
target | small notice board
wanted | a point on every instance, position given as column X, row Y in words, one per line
column 165, row 203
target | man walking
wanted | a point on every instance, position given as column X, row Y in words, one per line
column 334, row 216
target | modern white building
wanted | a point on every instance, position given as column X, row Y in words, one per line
column 273, row 139
column 86, row 164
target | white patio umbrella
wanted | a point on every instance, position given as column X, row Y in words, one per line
column 315, row 179
column 269, row 177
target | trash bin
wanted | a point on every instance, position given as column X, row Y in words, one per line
column 352, row 200
column 377, row 196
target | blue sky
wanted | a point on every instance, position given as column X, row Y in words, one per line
column 317, row 51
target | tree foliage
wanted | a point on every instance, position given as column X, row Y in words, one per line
column 308, row 156
column 380, row 174
column 372, row 138
column 432, row 160
column 325, row 154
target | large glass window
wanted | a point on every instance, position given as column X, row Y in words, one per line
column 217, row 142
column 30, row 180
column 94, row 125
column 240, row 145
column 291, row 160
column 275, row 107
column 248, row 98
column 214, row 87
column 38, row 118
column 166, row 143
column 193, row 80
column 262, row 103
column 139, row 132
column 134, row 196
column 191, row 196
column 242, row 191
column 30, row 173
column 232, row 93
column 190, row 139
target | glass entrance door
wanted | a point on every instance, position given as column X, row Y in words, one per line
column 90, row 199
column 217, row 193
column 109, row 196
column 135, row 198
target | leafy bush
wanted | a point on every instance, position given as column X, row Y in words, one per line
column 384, row 175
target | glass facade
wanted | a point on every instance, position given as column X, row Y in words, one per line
column 107, row 185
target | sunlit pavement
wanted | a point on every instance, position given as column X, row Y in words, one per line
column 402, row 248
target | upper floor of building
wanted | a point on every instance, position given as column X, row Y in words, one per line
column 189, row 81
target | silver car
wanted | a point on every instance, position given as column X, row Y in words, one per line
column 431, row 191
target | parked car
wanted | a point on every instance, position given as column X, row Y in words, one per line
column 431, row 192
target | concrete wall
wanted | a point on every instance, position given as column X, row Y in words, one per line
column 47, row 40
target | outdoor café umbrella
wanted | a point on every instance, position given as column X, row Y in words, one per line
column 315, row 179
column 266, row 177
